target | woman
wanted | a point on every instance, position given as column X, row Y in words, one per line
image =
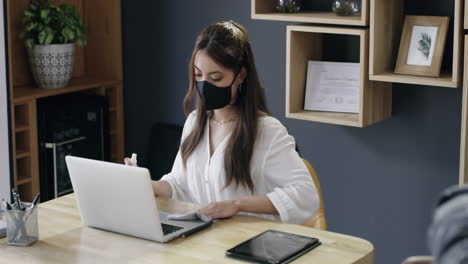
column 234, row 156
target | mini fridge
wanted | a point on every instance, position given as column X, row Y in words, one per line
column 73, row 124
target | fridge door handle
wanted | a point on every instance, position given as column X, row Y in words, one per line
column 58, row 144
column 54, row 146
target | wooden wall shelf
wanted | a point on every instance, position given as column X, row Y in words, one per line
column 304, row 43
column 21, row 128
column 265, row 9
column 21, row 153
column 445, row 79
column 463, row 175
column 24, row 181
column 98, row 69
column 26, row 93
column 466, row 16
column 386, row 24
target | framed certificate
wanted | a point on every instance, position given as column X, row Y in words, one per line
column 332, row 87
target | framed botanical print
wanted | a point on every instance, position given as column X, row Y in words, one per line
column 422, row 46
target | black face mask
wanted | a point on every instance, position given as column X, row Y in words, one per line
column 214, row 97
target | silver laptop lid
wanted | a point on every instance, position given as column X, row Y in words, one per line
column 115, row 197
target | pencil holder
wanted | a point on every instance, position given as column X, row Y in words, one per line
column 22, row 226
column 2, row 224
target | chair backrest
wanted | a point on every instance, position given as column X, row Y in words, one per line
column 162, row 148
column 318, row 219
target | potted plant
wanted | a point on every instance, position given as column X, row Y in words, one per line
column 50, row 31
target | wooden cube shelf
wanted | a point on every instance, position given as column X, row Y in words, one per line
column 116, row 122
column 24, row 170
column 98, row 68
column 96, row 64
column 26, row 93
column 386, row 24
column 464, row 131
column 305, row 43
column 23, row 141
column 27, row 191
column 22, row 116
column 25, row 156
column 466, row 15
column 265, row 9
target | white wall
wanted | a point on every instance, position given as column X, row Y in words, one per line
column 4, row 145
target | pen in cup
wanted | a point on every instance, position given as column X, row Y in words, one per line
column 26, row 217
column 20, row 206
column 36, row 199
column 134, row 159
column 16, row 198
column 3, row 207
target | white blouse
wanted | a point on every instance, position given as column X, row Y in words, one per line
column 276, row 170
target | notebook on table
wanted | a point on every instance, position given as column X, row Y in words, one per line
column 273, row 247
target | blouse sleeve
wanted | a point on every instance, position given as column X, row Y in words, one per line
column 177, row 178
column 293, row 194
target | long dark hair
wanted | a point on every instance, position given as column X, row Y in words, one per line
column 228, row 44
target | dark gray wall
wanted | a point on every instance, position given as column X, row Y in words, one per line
column 379, row 182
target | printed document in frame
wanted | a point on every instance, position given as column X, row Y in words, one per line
column 332, row 86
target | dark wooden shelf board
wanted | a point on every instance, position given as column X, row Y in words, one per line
column 26, row 93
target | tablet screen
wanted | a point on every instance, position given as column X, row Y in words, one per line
column 272, row 246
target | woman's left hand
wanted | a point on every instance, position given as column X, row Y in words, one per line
column 224, row 209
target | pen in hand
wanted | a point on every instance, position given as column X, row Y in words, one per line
column 131, row 161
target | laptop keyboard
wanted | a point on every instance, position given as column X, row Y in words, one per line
column 167, row 229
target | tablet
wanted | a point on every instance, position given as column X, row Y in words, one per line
column 273, row 247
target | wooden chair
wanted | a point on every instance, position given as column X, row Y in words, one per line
column 418, row 260
column 318, row 219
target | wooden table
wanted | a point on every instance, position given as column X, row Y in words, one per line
column 63, row 239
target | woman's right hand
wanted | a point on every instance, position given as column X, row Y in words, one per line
column 129, row 162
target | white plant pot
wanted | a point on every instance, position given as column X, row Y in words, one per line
column 52, row 65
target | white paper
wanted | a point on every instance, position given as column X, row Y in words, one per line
column 332, row 86
column 417, row 54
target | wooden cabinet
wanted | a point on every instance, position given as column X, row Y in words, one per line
column 98, row 69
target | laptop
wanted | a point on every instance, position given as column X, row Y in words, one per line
column 120, row 198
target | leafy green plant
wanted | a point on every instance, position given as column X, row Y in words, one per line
column 47, row 23
column 425, row 44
